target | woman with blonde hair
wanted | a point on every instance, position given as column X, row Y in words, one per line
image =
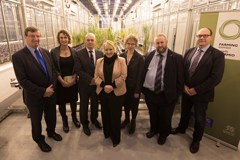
column 110, row 75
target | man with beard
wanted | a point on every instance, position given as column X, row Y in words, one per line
column 162, row 84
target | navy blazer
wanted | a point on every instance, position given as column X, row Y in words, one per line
column 134, row 70
column 207, row 75
column 84, row 67
column 31, row 75
column 55, row 55
column 173, row 74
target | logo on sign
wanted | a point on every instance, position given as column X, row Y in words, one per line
column 230, row 37
column 229, row 130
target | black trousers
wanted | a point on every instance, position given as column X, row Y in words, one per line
column 62, row 110
column 160, row 111
column 85, row 95
column 131, row 103
column 48, row 107
column 111, row 110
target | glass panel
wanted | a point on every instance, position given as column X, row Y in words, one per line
column 41, row 26
column 218, row 7
column 183, row 4
column 173, row 6
column 181, row 29
column 49, row 31
column 3, row 37
column 30, row 16
column 10, row 21
column 199, row 2
column 172, row 30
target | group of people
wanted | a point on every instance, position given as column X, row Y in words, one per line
column 162, row 76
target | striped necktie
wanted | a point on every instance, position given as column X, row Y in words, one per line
column 91, row 58
column 195, row 63
column 157, row 88
column 41, row 60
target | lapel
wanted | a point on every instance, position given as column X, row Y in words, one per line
column 125, row 56
column 204, row 58
column 48, row 66
column 86, row 56
column 134, row 56
column 189, row 58
column 32, row 59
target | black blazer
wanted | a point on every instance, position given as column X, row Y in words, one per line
column 207, row 75
column 134, row 70
column 31, row 75
column 173, row 74
column 84, row 67
column 55, row 55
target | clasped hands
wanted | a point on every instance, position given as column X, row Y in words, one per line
column 68, row 84
column 189, row 91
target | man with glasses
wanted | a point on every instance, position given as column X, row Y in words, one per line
column 36, row 74
column 204, row 67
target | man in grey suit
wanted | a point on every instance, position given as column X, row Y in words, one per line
column 162, row 84
column 36, row 74
column 204, row 67
column 85, row 68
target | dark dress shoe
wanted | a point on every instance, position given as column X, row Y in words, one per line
column 125, row 122
column 150, row 134
column 132, row 126
column 87, row 131
column 44, row 147
column 177, row 130
column 55, row 136
column 115, row 144
column 97, row 124
column 161, row 140
column 194, row 146
column 65, row 125
column 76, row 123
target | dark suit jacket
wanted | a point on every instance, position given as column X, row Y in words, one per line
column 207, row 75
column 31, row 75
column 134, row 70
column 173, row 74
column 55, row 55
column 84, row 67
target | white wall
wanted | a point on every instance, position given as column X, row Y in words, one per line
column 6, row 73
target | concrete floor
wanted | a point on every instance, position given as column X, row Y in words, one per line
column 16, row 143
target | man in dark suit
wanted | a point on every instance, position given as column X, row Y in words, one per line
column 36, row 74
column 162, row 84
column 85, row 67
column 203, row 70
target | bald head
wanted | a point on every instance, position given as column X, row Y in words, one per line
column 90, row 41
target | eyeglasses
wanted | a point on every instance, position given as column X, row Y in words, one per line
column 33, row 36
column 131, row 44
column 204, row 35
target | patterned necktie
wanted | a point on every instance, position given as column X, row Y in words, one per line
column 41, row 60
column 91, row 58
column 195, row 63
column 157, row 88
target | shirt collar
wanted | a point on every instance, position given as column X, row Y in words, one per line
column 89, row 50
column 32, row 50
column 205, row 48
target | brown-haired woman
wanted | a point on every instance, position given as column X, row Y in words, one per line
column 135, row 64
column 63, row 58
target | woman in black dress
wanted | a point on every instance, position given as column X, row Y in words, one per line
column 63, row 58
column 135, row 64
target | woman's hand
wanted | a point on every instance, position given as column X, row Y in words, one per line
column 65, row 84
column 108, row 89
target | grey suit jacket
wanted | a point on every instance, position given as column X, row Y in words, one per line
column 173, row 74
column 31, row 75
column 55, row 55
column 134, row 70
column 207, row 75
column 84, row 67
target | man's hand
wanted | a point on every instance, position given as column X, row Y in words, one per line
column 49, row 91
column 192, row 92
column 186, row 90
column 108, row 89
column 136, row 95
column 92, row 82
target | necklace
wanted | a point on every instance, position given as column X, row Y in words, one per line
column 65, row 53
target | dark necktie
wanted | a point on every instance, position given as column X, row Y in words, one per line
column 195, row 63
column 91, row 58
column 41, row 60
column 157, row 88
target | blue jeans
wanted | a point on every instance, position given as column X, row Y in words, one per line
column 200, row 109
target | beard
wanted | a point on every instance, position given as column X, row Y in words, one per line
column 163, row 49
